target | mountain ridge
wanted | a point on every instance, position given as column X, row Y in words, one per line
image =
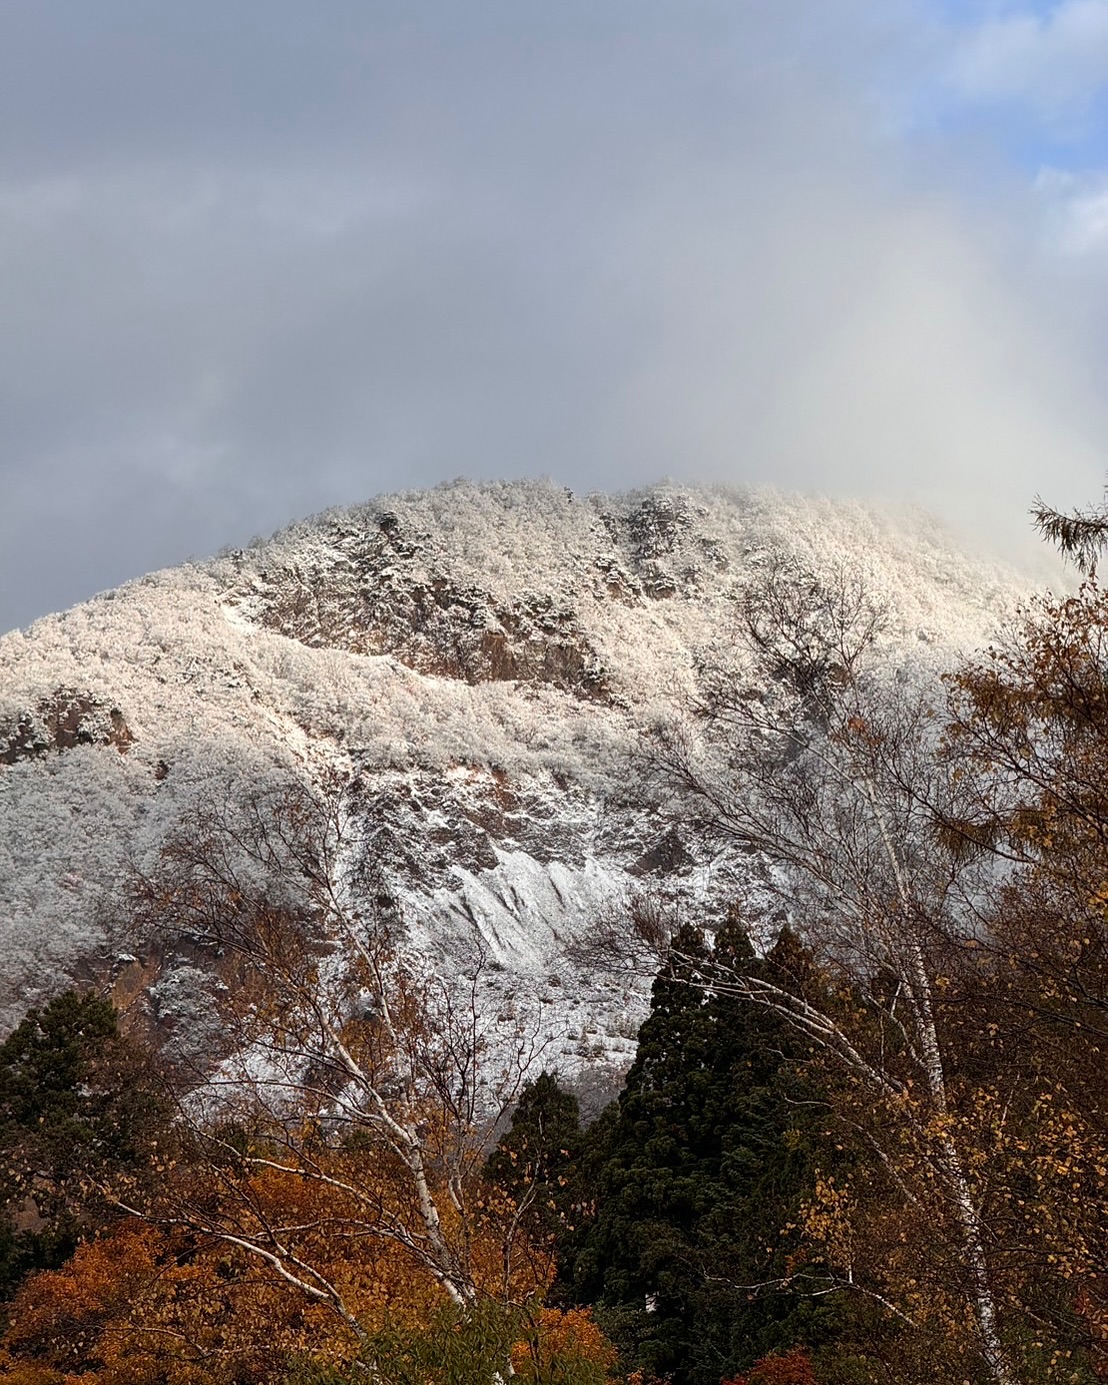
column 483, row 658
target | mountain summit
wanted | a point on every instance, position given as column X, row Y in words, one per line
column 482, row 660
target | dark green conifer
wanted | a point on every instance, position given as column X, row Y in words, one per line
column 703, row 1165
column 77, row 1109
column 534, row 1161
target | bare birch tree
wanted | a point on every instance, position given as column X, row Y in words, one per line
column 805, row 754
column 348, row 1067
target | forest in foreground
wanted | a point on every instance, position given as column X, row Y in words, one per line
column 864, row 1138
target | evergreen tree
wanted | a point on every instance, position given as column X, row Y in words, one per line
column 535, row 1160
column 77, row 1107
column 700, row 1167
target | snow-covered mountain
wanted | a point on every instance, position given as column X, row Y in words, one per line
column 484, row 657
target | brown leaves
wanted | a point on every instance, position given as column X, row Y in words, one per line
column 792, row 1368
column 559, row 1338
column 145, row 1304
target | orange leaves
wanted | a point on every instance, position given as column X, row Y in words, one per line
column 558, row 1339
column 793, row 1368
column 59, row 1316
column 135, row 1307
column 187, row 1308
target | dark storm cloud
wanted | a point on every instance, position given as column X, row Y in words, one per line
column 256, row 259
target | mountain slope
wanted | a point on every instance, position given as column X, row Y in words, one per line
column 484, row 657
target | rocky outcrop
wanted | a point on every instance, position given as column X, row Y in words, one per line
column 367, row 591
column 65, row 719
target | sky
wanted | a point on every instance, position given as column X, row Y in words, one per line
column 262, row 258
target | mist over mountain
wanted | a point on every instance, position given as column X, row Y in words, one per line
column 482, row 660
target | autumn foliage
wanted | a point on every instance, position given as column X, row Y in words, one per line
column 140, row 1303
column 939, row 1014
column 558, row 1336
column 792, row 1368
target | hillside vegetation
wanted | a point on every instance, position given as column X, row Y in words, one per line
column 825, row 896
column 483, row 658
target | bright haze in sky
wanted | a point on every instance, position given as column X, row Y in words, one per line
column 260, row 258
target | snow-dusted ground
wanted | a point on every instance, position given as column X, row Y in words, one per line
column 485, row 656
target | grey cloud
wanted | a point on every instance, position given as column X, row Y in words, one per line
column 253, row 264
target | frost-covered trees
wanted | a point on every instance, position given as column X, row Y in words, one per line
column 324, row 1197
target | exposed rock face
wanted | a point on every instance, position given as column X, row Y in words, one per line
column 60, row 721
column 483, row 659
column 367, row 592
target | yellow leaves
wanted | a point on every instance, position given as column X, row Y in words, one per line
column 561, row 1338
column 142, row 1306
column 825, row 1218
